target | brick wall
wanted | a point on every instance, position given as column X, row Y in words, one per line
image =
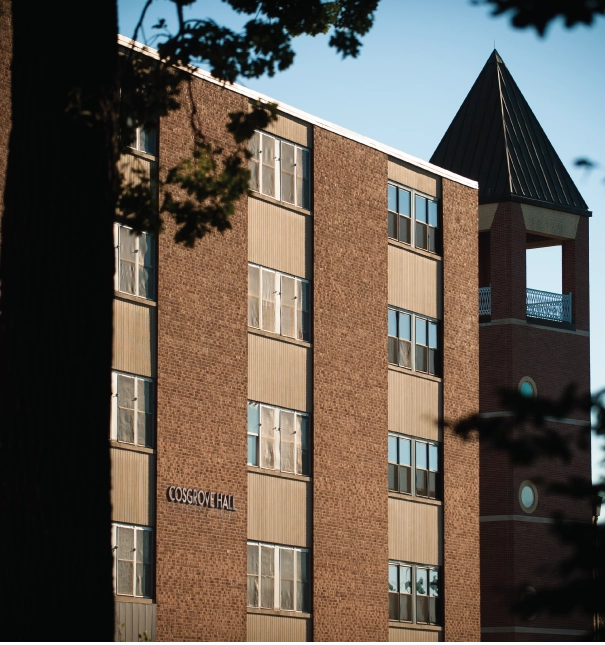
column 6, row 49
column 460, row 399
column 202, row 393
column 575, row 274
column 350, row 517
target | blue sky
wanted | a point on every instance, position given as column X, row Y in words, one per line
column 414, row 71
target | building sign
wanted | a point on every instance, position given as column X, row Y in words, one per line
column 195, row 497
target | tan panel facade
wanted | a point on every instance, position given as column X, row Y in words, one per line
column 414, row 177
column 278, row 510
column 277, row 628
column 135, row 167
column 278, row 372
column 292, row 129
column 415, row 532
column 486, row 216
column 279, row 238
column 402, row 635
column 133, row 338
column 414, row 405
column 548, row 222
column 132, row 487
column 414, row 282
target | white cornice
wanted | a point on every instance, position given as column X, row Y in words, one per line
column 309, row 118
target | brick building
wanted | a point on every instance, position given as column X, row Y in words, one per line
column 275, row 478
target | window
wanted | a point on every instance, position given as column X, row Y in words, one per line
column 414, row 593
column 278, row 302
column 135, row 262
column 277, row 577
column 132, row 409
column 409, row 456
column 405, row 206
column 279, row 169
column 132, row 557
column 145, row 140
column 405, row 330
column 278, row 439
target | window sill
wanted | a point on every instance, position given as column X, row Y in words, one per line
column 278, row 473
column 413, row 249
column 404, row 370
column 133, row 599
column 139, row 153
column 121, row 295
column 416, row 626
column 413, row 498
column 277, row 202
column 274, row 336
column 278, row 612
column 131, row 446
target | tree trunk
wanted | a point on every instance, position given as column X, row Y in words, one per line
column 56, row 268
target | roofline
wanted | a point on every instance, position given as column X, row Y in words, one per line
column 309, row 118
column 520, row 199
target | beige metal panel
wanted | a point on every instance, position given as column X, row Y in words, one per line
column 277, row 628
column 414, row 177
column 486, row 216
column 134, row 345
column 278, row 510
column 133, row 621
column 415, row 282
column 278, row 373
column 279, row 238
column 132, row 487
column 415, row 531
column 134, row 168
column 551, row 223
column 415, row 405
column 292, row 129
column 402, row 635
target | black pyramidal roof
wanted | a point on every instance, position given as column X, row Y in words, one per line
column 496, row 140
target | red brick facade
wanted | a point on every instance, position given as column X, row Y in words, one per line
column 202, row 394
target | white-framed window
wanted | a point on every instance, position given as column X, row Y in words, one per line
column 278, row 439
column 278, row 302
column 407, row 330
column 145, row 140
column 132, row 409
column 280, row 169
column 414, row 466
column 413, row 218
column 135, row 262
column 414, row 593
column 277, row 577
column 132, row 560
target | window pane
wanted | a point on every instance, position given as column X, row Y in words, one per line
column 405, row 452
column 420, row 331
column 253, row 295
column 393, row 350
column 302, row 455
column 125, row 578
column 253, row 163
column 394, row 606
column 268, row 163
column 302, row 310
column 267, row 598
column 432, row 239
column 143, row 552
column 287, row 172
column 146, row 266
column 421, row 358
column 268, row 294
column 143, row 580
column 393, row 470
column 125, row 538
column 433, row 214
column 393, row 577
column 434, row 611
column 252, row 591
column 253, row 418
column 147, row 141
column 392, row 323
column 267, row 561
column 392, row 449
column 404, row 229
column 392, row 225
column 392, row 198
column 287, row 441
column 421, row 582
column 404, row 202
column 252, row 450
column 405, row 479
column 421, row 488
column 405, row 607
column 420, row 206
column 433, row 335
column 421, row 236
column 405, row 326
column 286, row 565
column 405, row 579
column 422, row 609
column 302, row 178
column 405, row 353
column 288, row 306
column 127, row 255
column 433, row 457
column 301, row 596
column 421, row 461
column 301, row 565
column 125, row 409
column 267, row 428
column 253, row 559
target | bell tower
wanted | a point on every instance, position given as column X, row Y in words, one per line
column 532, row 340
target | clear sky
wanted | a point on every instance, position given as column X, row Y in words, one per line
column 416, row 67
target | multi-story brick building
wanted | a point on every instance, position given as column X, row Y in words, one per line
column 281, row 469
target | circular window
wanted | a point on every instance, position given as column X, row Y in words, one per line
column 528, row 496
column 527, row 387
column 528, row 603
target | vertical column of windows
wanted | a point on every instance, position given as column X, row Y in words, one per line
column 132, row 548
column 414, row 603
column 135, row 261
column 425, row 357
column 422, row 210
column 414, row 466
column 132, row 409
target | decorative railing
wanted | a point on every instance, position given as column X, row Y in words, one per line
column 485, row 301
column 548, row 306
